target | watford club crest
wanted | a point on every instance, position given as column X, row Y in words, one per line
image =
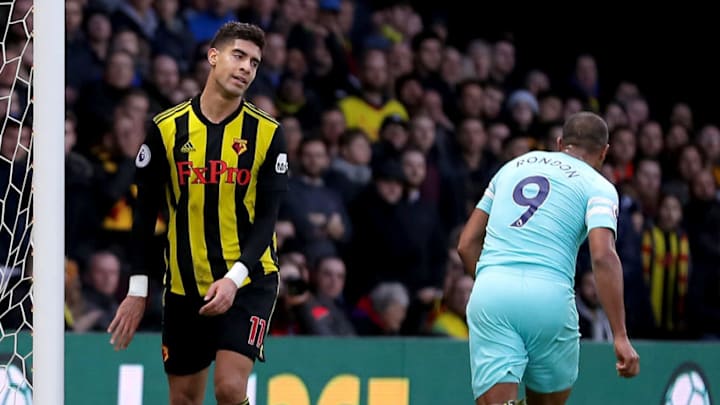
column 239, row 145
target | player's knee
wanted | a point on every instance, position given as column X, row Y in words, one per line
column 185, row 398
column 230, row 390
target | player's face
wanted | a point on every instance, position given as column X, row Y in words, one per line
column 234, row 65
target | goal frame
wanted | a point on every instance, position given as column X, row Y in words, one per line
column 48, row 233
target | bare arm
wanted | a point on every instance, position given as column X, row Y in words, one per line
column 608, row 277
column 472, row 239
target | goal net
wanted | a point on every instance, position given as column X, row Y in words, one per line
column 26, row 248
column 15, row 201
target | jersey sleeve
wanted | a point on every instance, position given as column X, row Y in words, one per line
column 273, row 174
column 602, row 208
column 486, row 201
column 150, row 176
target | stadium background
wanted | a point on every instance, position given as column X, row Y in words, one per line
column 668, row 65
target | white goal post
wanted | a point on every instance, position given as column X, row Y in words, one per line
column 48, row 234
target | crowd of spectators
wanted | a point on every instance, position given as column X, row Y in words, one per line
column 393, row 133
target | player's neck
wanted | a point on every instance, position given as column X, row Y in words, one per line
column 578, row 154
column 214, row 106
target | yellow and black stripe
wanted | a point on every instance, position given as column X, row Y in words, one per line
column 211, row 192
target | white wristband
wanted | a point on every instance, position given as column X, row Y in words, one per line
column 238, row 273
column 138, row 286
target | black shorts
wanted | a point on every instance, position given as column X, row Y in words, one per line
column 190, row 341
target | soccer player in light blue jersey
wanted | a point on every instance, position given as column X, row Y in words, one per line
column 521, row 242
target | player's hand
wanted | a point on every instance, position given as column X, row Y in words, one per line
column 628, row 361
column 221, row 295
column 126, row 321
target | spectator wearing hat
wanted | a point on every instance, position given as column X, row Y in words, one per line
column 523, row 109
column 394, row 137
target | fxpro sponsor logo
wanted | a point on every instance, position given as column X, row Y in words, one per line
column 687, row 386
column 15, row 386
column 216, row 172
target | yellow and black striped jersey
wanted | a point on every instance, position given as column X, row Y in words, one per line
column 222, row 184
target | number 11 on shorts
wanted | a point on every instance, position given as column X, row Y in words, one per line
column 257, row 331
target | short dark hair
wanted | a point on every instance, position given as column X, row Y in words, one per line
column 585, row 130
column 236, row 30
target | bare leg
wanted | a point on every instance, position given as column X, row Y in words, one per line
column 552, row 398
column 498, row 394
column 231, row 375
column 188, row 389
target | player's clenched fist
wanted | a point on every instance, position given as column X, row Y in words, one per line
column 221, row 295
column 628, row 361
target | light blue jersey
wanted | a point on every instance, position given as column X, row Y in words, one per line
column 542, row 206
column 521, row 314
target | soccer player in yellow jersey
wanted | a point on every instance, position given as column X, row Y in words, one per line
column 219, row 165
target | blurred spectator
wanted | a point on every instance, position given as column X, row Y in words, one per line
column 136, row 15
column 204, row 23
column 503, row 62
column 615, row 116
column 594, row 324
column 449, row 320
column 682, row 115
column 481, row 56
column 666, row 269
column 267, row 79
column 474, row 166
column 537, row 82
column 101, row 285
column 172, row 35
column 81, row 224
column 622, row 154
column 317, row 212
column 296, row 100
column 585, row 83
column 98, row 100
column 367, row 110
column 350, row 171
column 551, row 108
column 323, row 313
column 650, row 141
column 77, row 316
column 332, row 127
column 647, row 183
column 709, row 141
column 638, row 112
column 162, row 82
column 702, row 216
column 292, row 291
column 383, row 311
column 470, row 99
column 393, row 138
column 523, row 108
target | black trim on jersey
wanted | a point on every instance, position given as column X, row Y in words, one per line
column 195, row 102
column 211, row 206
column 249, row 132
column 182, row 224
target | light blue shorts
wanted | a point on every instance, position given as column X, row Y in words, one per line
column 522, row 328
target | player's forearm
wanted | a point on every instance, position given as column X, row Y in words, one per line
column 469, row 255
column 261, row 233
column 609, row 281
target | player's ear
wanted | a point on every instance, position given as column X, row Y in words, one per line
column 212, row 56
column 604, row 152
column 559, row 143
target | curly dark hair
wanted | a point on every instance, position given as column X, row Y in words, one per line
column 236, row 30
